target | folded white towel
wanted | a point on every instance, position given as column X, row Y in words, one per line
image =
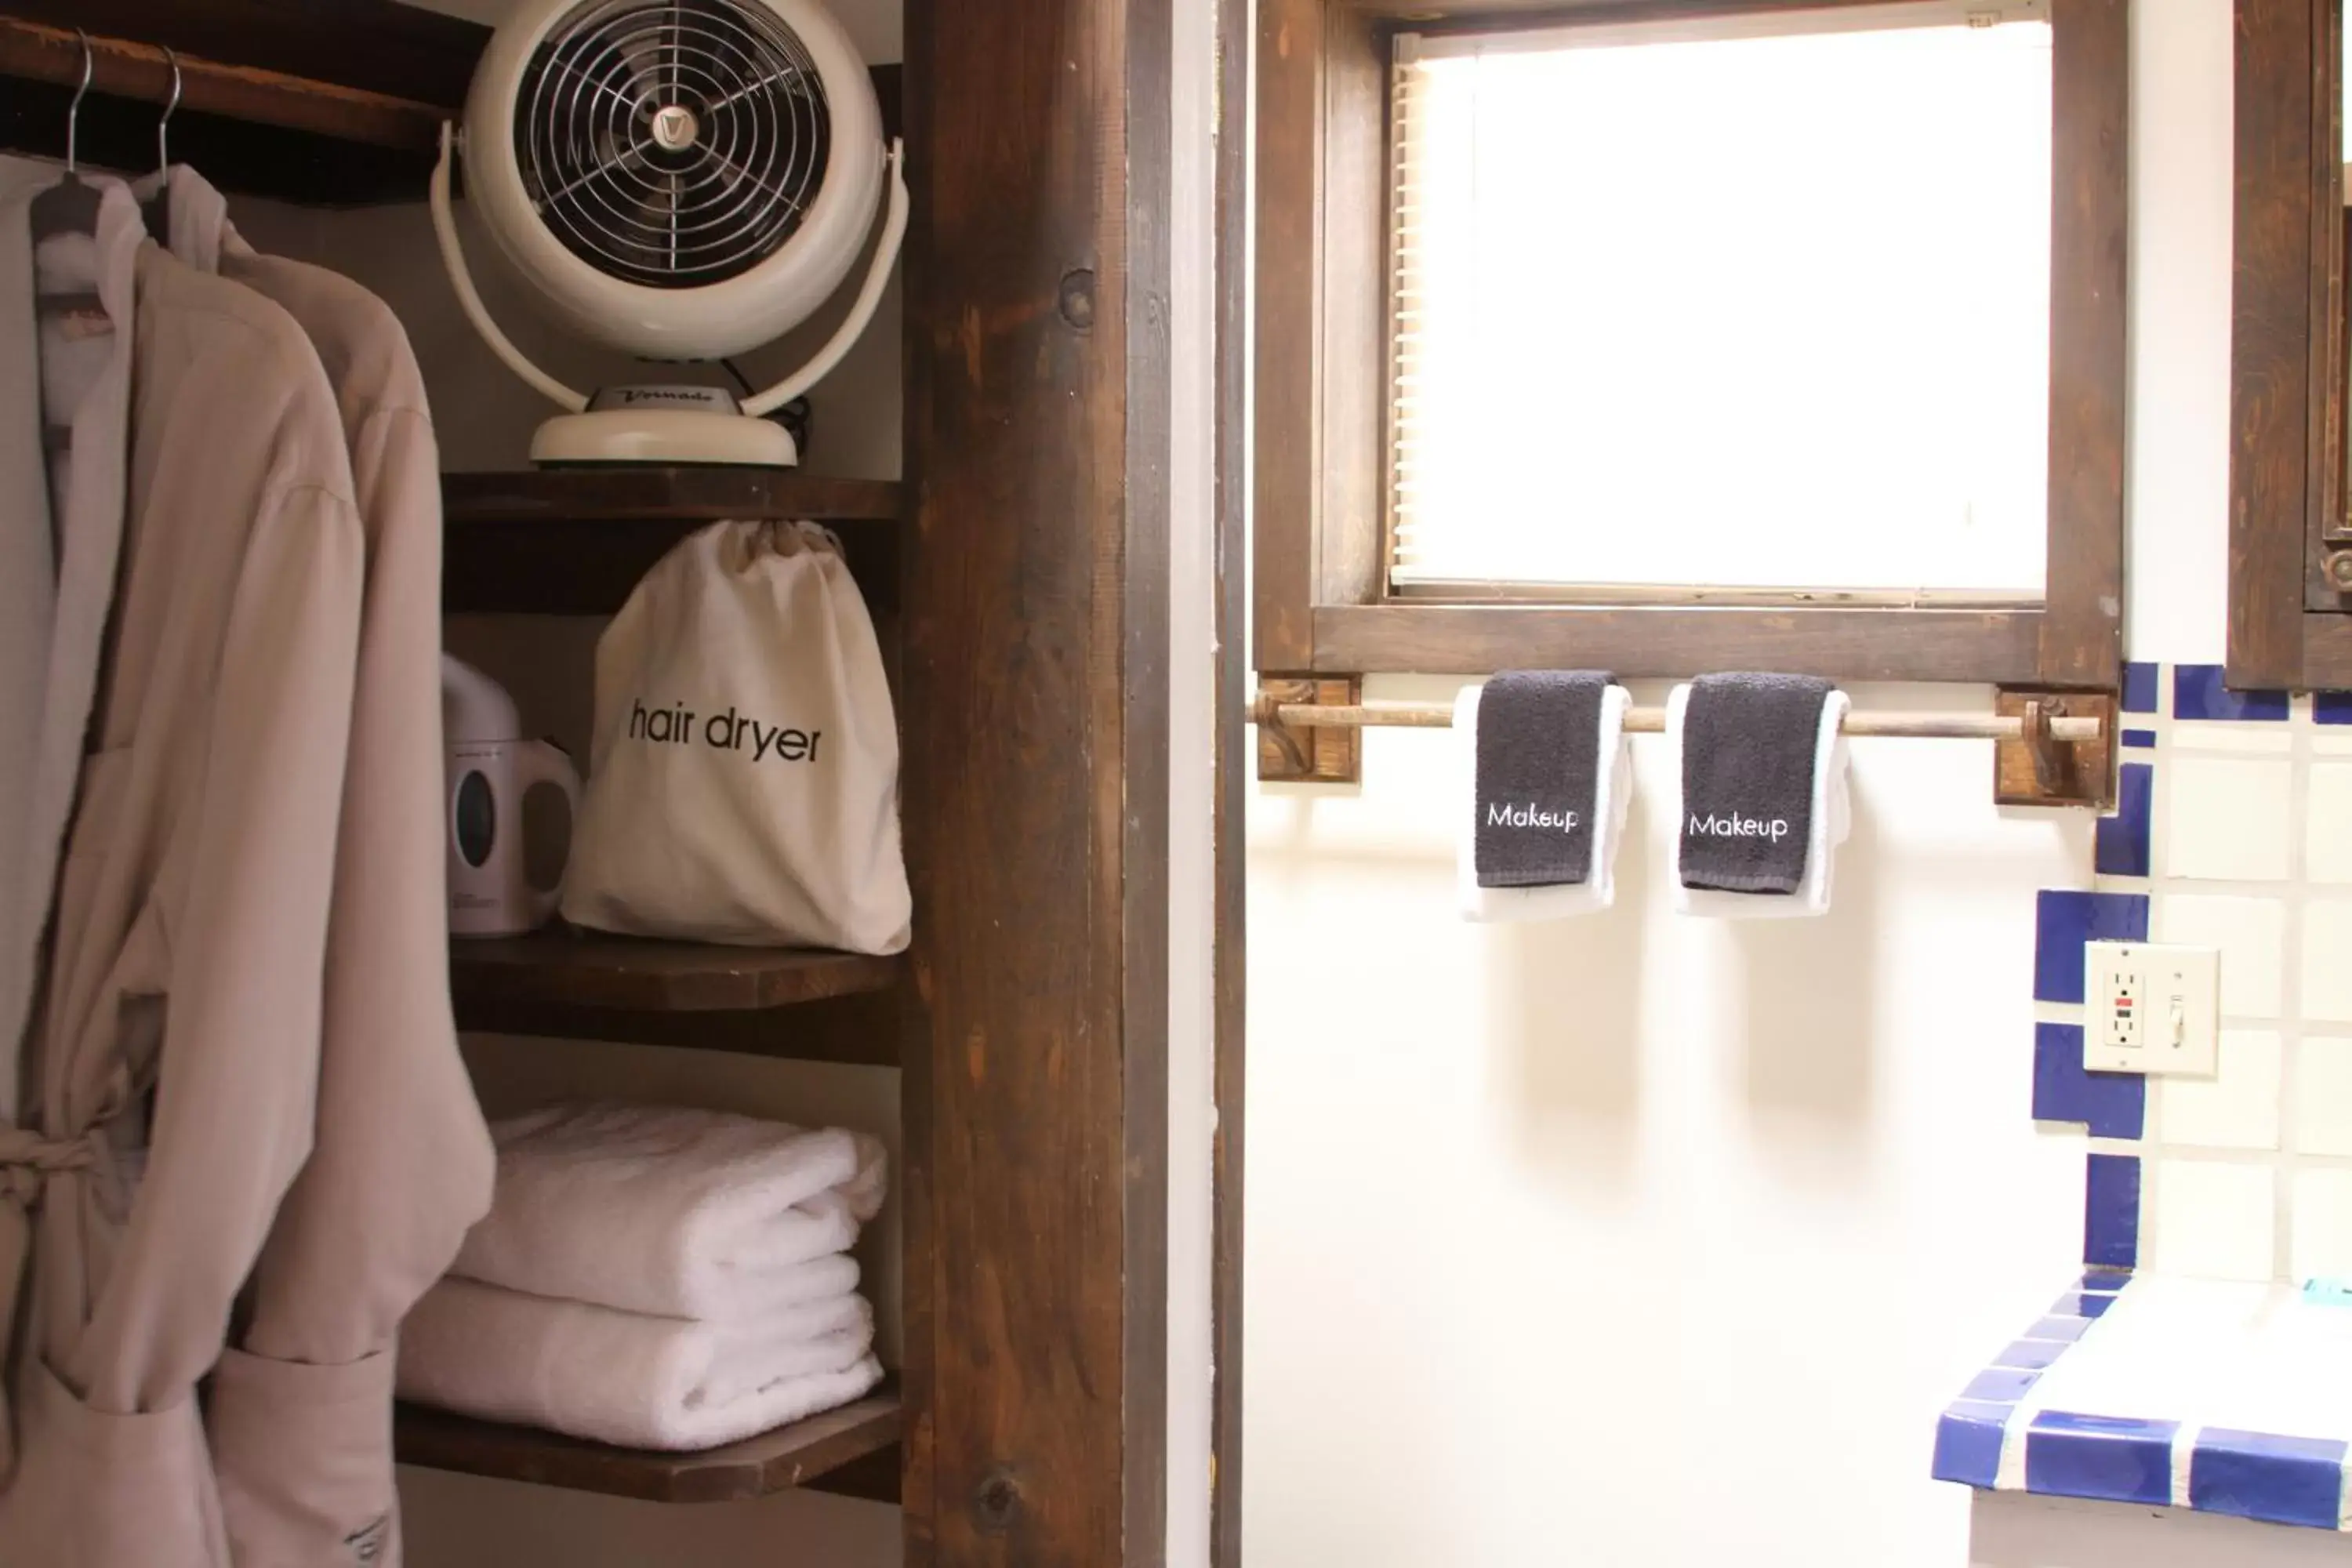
column 1833, row 820
column 1613, row 792
column 675, row 1212
column 626, row 1378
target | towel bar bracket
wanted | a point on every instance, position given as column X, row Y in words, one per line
column 1301, row 753
column 2038, row 768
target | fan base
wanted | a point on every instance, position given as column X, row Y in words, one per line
column 664, row 436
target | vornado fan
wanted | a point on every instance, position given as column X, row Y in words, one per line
column 683, row 180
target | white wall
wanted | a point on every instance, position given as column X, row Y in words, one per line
column 1656, row 1244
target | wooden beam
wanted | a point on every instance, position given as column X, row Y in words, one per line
column 2000, row 647
column 1288, row 435
column 2271, row 340
column 1036, row 718
column 2081, row 628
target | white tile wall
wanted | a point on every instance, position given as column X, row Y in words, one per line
column 2214, row 1219
column 2321, row 1202
column 2322, row 1113
column 2328, row 959
column 2252, row 936
column 2327, row 843
column 2228, row 821
column 2247, row 1175
column 2236, row 1108
column 2193, row 736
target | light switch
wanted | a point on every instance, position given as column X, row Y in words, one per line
column 2153, row 1009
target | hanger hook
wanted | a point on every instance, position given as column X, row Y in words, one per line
column 73, row 110
column 172, row 106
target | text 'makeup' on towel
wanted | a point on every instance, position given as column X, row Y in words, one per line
column 1537, row 777
column 1749, row 754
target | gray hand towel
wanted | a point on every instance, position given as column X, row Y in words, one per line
column 1749, row 745
column 1539, row 776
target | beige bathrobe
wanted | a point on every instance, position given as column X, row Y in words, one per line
column 177, row 1040
column 57, row 577
column 301, row 1415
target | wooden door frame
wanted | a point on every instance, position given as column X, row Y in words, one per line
column 1037, row 720
column 1235, row 760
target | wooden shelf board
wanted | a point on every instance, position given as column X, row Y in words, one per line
column 575, row 542
column 802, row 1455
column 568, row 968
column 650, row 494
column 857, row 1031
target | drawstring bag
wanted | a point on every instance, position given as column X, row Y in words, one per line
column 743, row 783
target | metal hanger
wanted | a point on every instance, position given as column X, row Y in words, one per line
column 158, row 207
column 71, row 205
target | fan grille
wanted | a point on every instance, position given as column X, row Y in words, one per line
column 674, row 143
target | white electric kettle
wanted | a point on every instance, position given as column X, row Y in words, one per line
column 491, row 768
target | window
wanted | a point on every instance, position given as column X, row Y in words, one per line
column 1757, row 304
column 1786, row 337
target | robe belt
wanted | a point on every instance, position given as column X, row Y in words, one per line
column 27, row 1161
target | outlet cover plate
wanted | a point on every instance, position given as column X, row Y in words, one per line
column 2153, row 1009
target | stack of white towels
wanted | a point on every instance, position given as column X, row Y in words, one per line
column 656, row 1277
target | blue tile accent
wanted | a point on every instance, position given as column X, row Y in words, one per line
column 2111, row 1104
column 2108, row 1279
column 2331, row 707
column 2111, row 1211
column 2284, row 1480
column 2060, row 1327
column 2028, row 1356
column 2198, row 693
column 2099, row 1457
column 2123, row 838
column 1967, row 1442
column 2143, row 740
column 1998, row 1385
column 2063, row 921
column 2139, row 688
column 2082, row 1305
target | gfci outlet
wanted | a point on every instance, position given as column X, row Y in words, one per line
column 2153, row 1009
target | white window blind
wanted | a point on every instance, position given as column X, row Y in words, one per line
column 1724, row 304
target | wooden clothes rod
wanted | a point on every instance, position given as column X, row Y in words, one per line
column 1653, row 721
column 122, row 68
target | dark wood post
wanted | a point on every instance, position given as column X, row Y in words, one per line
column 1036, row 807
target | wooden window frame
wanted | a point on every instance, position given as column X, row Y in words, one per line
column 1320, row 595
column 2288, row 626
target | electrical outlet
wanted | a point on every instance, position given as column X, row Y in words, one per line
column 2153, row 1009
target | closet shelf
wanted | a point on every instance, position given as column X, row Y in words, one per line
column 575, row 541
column 853, row 1450
column 640, row 494
column 568, row 968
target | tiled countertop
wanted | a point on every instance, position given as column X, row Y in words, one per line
column 2183, row 1370
column 2218, row 1395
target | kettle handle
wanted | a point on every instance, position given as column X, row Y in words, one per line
column 539, row 763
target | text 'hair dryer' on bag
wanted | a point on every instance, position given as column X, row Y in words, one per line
column 491, row 772
column 743, row 786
